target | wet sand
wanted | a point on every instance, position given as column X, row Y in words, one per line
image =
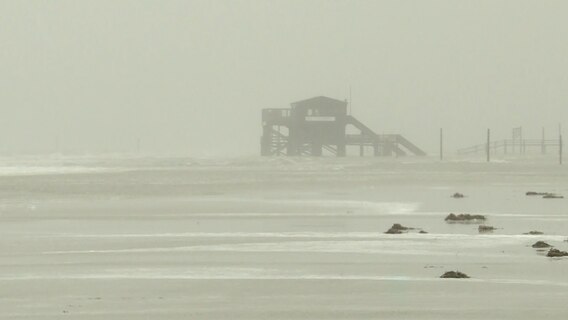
column 272, row 239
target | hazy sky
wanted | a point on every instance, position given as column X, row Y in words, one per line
column 190, row 77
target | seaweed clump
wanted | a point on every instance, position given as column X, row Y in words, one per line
column 555, row 253
column 397, row 228
column 534, row 193
column 452, row 217
column 483, row 229
column 454, row 275
column 541, row 245
column 552, row 196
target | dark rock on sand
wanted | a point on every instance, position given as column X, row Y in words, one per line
column 458, row 195
column 533, row 233
column 464, row 217
column 541, row 244
column 533, row 193
column 454, row 275
column 423, row 232
column 556, row 253
column 552, row 196
column 483, row 229
column 397, row 228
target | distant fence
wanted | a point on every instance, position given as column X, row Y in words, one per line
column 511, row 146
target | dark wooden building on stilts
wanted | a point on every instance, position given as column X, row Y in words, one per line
column 318, row 125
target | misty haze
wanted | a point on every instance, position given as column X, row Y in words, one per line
column 280, row 159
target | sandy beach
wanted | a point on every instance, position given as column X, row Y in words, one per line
column 279, row 239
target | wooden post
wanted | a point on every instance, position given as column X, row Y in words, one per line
column 441, row 144
column 560, row 144
column 487, row 151
column 560, row 148
column 341, row 150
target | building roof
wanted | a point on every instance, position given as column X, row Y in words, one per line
column 320, row 101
